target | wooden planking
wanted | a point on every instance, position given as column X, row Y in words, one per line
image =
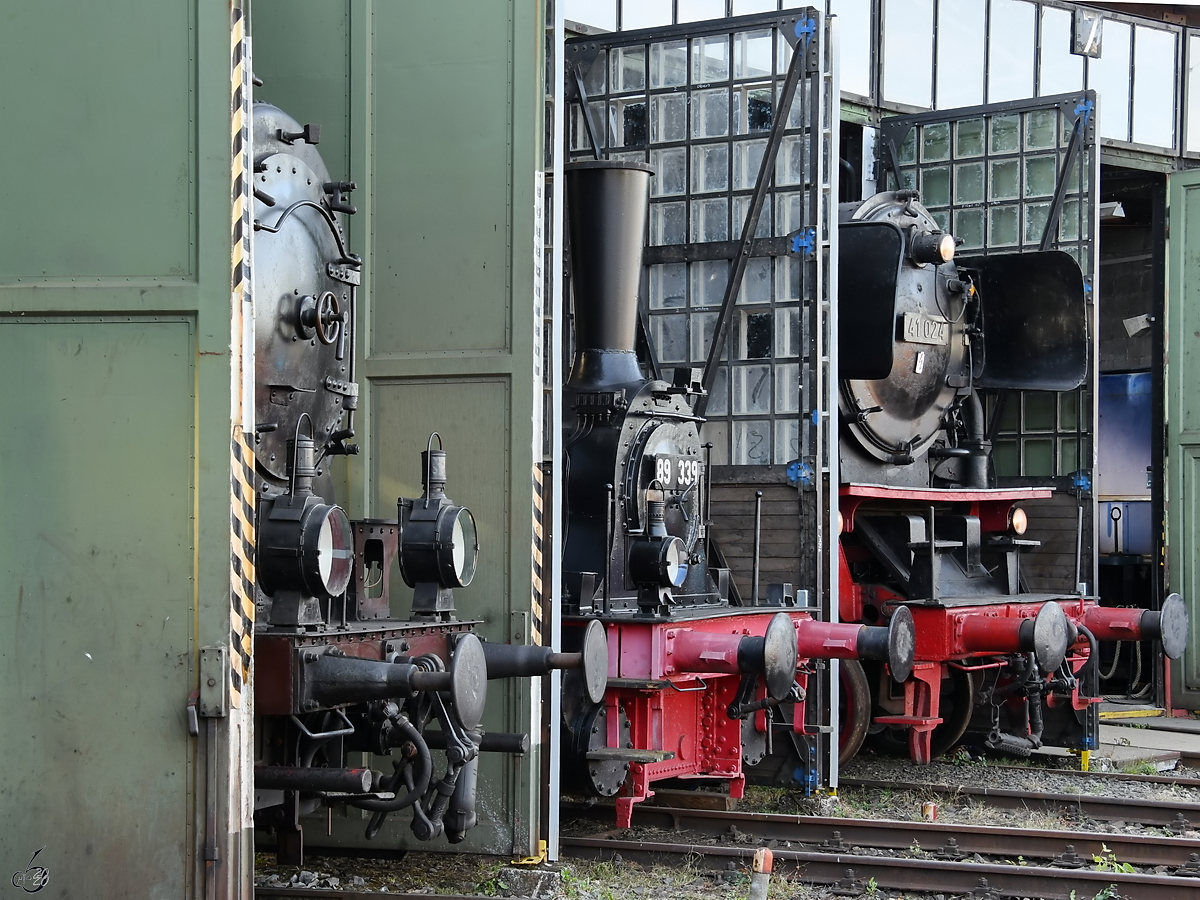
column 1054, row 521
column 733, row 524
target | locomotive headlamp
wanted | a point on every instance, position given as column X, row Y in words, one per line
column 673, row 562
column 305, row 545
column 662, row 560
column 439, row 544
column 326, row 550
column 935, row 247
column 663, row 563
column 442, row 549
column 1018, row 521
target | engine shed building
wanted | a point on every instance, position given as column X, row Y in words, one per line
column 125, row 671
column 1117, row 450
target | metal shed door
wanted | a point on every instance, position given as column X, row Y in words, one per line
column 1183, row 420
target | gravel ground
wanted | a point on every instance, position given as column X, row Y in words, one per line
column 864, row 803
column 436, row 873
column 618, row 879
column 1027, row 777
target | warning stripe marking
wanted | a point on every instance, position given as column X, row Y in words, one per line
column 536, row 554
column 241, row 455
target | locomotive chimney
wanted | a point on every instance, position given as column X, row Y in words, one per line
column 606, row 208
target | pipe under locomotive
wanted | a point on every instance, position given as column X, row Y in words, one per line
column 697, row 688
column 336, row 670
column 923, row 528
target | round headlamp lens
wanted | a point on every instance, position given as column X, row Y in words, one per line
column 330, row 551
column 674, row 563
column 946, row 248
column 464, row 547
column 1018, row 521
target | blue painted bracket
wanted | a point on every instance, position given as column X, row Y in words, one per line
column 806, row 28
column 805, row 241
column 1084, row 108
column 799, row 474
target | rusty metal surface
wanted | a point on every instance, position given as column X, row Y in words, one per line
column 935, row 839
column 1147, row 812
column 925, row 874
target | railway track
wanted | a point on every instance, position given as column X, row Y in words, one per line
column 854, row 873
column 926, row 840
column 1175, row 815
column 849, row 853
column 1126, row 777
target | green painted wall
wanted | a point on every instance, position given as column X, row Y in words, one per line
column 1183, row 423
column 444, row 106
column 114, row 458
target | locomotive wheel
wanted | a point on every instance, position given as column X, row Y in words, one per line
column 854, row 709
column 956, row 707
column 602, row 777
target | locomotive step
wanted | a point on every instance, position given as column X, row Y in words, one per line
column 618, row 754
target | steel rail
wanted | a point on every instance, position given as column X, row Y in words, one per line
column 1127, row 777
column 934, row 839
column 928, row 875
column 1174, row 814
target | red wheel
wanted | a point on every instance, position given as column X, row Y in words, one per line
column 956, row 707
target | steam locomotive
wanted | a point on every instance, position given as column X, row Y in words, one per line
column 939, row 637
column 335, row 671
column 923, row 528
column 698, row 688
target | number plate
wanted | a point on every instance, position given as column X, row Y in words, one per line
column 922, row 329
column 676, row 472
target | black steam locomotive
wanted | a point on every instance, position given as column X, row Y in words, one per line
column 335, row 671
column 698, row 687
column 924, row 527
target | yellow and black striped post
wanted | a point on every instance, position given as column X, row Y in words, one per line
column 241, row 519
column 535, row 637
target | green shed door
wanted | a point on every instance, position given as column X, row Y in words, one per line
column 1183, row 421
column 115, row 277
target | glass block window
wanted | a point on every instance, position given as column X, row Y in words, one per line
column 697, row 102
column 992, row 176
column 1040, row 434
column 944, row 54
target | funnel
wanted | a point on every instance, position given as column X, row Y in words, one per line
column 606, row 210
